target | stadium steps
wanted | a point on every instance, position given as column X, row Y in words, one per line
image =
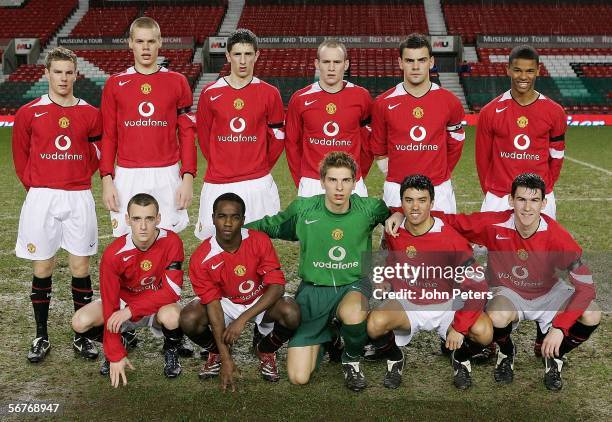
column 232, row 16
column 197, row 56
column 66, row 29
column 435, row 17
column 469, row 54
column 451, row 82
column 205, row 78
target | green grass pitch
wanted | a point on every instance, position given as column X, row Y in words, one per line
column 584, row 195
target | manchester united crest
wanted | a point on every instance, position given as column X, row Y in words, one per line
column 331, row 108
column 522, row 254
column 238, row 104
column 337, row 234
column 31, row 248
column 522, row 122
column 114, row 223
column 411, row 251
column 240, row 270
column 418, row 112
column 64, row 122
column 145, row 89
column 146, row 265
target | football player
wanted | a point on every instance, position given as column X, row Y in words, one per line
column 417, row 126
column 237, row 277
column 240, row 121
column 55, row 154
column 334, row 230
column 142, row 269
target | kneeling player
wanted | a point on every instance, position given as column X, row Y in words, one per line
column 335, row 231
column 428, row 301
column 526, row 248
column 238, row 278
column 143, row 269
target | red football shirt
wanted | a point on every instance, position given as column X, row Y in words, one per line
column 319, row 122
column 55, row 146
column 512, row 139
column 444, row 249
column 241, row 276
column 141, row 115
column 144, row 280
column 420, row 135
column 528, row 266
column 240, row 131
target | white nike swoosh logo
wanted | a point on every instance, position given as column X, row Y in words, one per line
column 121, row 83
column 215, row 97
column 499, row 110
column 307, row 103
column 214, row 267
column 391, row 107
column 125, row 258
column 310, row 221
column 500, row 237
column 40, row 114
column 88, row 297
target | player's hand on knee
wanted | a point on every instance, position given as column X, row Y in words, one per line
column 117, row 319
column 110, row 196
column 454, row 339
column 232, row 331
column 228, row 372
column 117, row 371
column 393, row 223
column 552, row 342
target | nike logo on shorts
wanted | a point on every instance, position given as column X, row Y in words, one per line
column 391, row 107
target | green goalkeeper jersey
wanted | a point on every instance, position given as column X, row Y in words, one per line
column 331, row 245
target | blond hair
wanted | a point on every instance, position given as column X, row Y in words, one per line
column 332, row 43
column 145, row 22
column 60, row 54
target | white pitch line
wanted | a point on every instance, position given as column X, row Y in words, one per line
column 608, row 172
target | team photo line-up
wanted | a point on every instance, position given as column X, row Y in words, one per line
column 142, row 142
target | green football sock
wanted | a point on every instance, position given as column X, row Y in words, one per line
column 355, row 338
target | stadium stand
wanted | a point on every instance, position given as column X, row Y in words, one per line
column 562, row 78
column 109, row 21
column 470, row 19
column 334, row 19
column 193, row 21
column 36, row 18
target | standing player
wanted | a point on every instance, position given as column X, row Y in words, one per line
column 334, row 230
column 143, row 269
column 238, row 278
column 240, row 120
column 417, row 125
column 144, row 110
column 426, row 242
column 526, row 249
column 55, row 155
column 329, row 115
column 519, row 131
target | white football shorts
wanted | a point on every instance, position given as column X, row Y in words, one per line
column 437, row 317
column 160, row 182
column 54, row 218
column 444, row 196
column 259, row 195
